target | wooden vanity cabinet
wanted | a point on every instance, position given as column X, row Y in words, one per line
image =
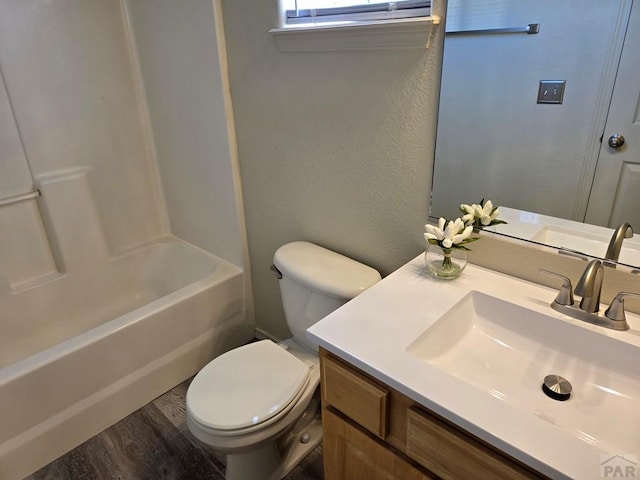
column 373, row 432
column 351, row 454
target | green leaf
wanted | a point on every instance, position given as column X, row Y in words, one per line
column 469, row 240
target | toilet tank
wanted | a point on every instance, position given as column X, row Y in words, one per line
column 315, row 282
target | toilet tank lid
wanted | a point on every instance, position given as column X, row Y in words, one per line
column 324, row 270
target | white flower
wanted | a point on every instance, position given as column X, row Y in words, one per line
column 478, row 214
column 433, row 232
column 448, row 234
column 469, row 213
column 485, row 213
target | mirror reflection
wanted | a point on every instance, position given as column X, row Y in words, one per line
column 545, row 124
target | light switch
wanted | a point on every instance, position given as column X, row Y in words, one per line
column 551, row 91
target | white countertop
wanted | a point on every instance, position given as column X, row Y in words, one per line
column 374, row 330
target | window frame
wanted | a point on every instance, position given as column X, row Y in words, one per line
column 388, row 10
column 360, row 34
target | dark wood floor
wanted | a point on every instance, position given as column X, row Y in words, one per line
column 153, row 443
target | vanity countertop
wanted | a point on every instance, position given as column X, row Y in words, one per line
column 374, row 331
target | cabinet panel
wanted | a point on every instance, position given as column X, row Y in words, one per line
column 415, row 443
column 356, row 396
column 351, row 454
column 453, row 455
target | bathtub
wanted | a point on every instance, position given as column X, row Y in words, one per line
column 81, row 351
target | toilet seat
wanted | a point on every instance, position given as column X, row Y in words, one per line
column 246, row 389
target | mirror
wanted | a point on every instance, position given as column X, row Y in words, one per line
column 498, row 137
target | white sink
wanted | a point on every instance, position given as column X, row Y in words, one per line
column 586, row 242
column 589, row 243
column 630, row 255
column 506, row 350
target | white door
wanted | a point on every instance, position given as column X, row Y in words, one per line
column 615, row 195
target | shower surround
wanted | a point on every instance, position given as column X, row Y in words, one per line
column 123, row 259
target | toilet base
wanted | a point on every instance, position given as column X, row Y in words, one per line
column 273, row 460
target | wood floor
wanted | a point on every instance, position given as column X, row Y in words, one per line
column 154, row 443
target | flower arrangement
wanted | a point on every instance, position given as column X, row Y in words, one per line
column 454, row 235
column 449, row 236
column 480, row 215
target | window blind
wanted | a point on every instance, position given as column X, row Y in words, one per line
column 307, row 11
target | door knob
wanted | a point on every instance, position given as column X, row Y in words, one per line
column 616, row 140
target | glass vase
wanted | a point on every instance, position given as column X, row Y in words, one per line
column 445, row 263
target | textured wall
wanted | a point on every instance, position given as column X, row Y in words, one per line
column 335, row 148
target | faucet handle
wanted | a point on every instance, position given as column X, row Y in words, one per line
column 565, row 294
column 616, row 309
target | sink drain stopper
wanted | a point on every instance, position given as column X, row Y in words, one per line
column 557, row 387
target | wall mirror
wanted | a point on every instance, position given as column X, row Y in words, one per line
column 561, row 158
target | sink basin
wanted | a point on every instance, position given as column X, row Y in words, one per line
column 594, row 245
column 506, row 350
column 586, row 242
column 630, row 255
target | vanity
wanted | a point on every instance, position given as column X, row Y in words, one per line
column 424, row 378
column 373, row 431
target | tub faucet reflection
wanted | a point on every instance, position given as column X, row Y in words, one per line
column 615, row 244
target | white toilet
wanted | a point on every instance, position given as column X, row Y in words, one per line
column 260, row 403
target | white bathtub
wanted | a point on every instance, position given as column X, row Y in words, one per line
column 82, row 351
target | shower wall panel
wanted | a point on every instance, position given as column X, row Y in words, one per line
column 15, row 177
column 77, row 103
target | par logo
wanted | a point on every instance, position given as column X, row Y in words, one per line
column 619, row 466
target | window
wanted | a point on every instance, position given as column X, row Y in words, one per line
column 332, row 25
column 325, row 11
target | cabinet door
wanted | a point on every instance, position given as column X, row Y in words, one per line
column 351, row 454
column 354, row 395
column 453, row 455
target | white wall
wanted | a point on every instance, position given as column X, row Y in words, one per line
column 69, row 77
column 494, row 140
column 16, row 177
column 335, row 148
column 183, row 65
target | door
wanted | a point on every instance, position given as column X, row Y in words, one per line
column 615, row 195
column 351, row 454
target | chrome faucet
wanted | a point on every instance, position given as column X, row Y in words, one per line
column 615, row 244
column 589, row 287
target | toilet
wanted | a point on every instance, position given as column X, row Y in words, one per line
column 260, row 403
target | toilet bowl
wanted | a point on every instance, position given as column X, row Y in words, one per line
column 260, row 403
column 265, row 423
